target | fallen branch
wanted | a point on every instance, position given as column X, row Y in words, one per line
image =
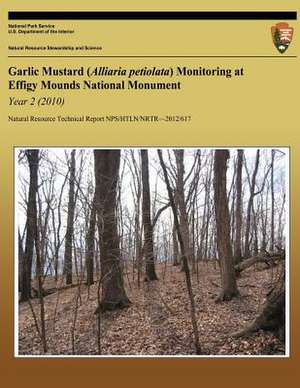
column 49, row 291
column 268, row 260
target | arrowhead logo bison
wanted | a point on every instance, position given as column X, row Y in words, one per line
column 282, row 36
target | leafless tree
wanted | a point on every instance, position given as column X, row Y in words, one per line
column 148, row 227
column 183, row 256
column 107, row 164
column 33, row 161
column 70, row 222
column 90, row 245
column 238, row 208
column 229, row 286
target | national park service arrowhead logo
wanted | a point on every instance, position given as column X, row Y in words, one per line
column 282, row 36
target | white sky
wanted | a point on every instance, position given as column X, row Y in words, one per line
column 58, row 155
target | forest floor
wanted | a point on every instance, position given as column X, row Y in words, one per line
column 158, row 319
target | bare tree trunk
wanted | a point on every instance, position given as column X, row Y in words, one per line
column 250, row 206
column 135, row 168
column 40, row 270
column 148, row 228
column 21, row 259
column 207, row 212
column 90, row 246
column 255, row 233
column 56, row 230
column 175, row 247
column 97, row 256
column 70, row 222
column 33, row 161
column 229, row 286
column 280, row 224
column 137, row 240
column 184, row 258
column 107, row 164
column 180, row 197
column 239, row 208
column 272, row 243
column 264, row 219
column 32, row 241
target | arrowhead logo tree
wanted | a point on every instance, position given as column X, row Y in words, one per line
column 282, row 35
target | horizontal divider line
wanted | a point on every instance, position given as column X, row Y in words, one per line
column 152, row 56
column 152, row 15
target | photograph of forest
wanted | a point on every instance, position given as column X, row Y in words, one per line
column 151, row 252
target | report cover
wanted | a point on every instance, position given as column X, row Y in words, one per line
column 149, row 184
